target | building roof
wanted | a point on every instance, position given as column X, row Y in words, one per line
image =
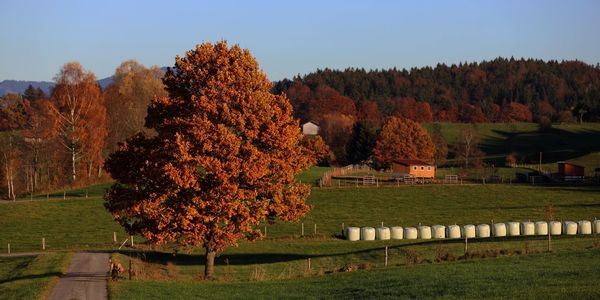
column 411, row 162
column 568, row 163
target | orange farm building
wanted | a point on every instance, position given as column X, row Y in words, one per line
column 414, row 167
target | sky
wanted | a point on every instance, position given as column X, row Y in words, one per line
column 290, row 37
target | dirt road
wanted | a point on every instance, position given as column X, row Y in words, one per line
column 86, row 278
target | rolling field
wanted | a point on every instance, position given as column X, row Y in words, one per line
column 28, row 277
column 279, row 262
column 559, row 143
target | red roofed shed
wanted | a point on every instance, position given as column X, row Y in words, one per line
column 414, row 167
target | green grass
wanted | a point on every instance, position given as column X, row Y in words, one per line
column 541, row 276
column 29, row 277
column 312, row 175
column 280, row 260
column 561, row 142
column 65, row 224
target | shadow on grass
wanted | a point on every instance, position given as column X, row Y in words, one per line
column 555, row 144
column 269, row 258
column 33, row 276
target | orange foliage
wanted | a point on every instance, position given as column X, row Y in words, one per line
column 401, row 138
column 223, row 161
column 409, row 108
column 369, row 111
column 318, row 150
column 472, row 114
column 516, row 112
column 78, row 109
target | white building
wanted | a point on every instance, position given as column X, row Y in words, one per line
column 310, row 128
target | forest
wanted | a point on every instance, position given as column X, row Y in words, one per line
column 501, row 90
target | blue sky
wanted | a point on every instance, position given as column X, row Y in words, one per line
column 292, row 37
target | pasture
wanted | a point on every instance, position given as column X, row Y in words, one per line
column 280, row 260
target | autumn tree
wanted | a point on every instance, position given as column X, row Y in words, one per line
column 336, row 130
column 362, row 141
column 78, row 108
column 401, row 138
column 467, row 149
column 368, row 111
column 127, row 100
column 515, row 112
column 441, row 146
column 13, row 110
column 224, row 157
column 317, row 149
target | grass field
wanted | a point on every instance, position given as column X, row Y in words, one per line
column 278, row 265
column 560, row 143
column 29, row 277
column 543, row 276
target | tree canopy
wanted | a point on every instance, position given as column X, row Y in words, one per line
column 401, row 138
column 224, row 157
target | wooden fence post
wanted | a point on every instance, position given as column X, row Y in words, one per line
column 386, row 256
column 302, row 230
column 265, row 230
column 309, row 264
column 131, row 236
column 114, row 237
column 8, row 248
column 64, row 195
column 43, row 243
column 315, row 228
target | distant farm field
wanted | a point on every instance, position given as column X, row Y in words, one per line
column 561, row 142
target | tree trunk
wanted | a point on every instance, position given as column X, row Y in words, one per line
column 209, row 266
column 73, row 163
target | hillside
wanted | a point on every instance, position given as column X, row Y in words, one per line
column 19, row 86
column 469, row 92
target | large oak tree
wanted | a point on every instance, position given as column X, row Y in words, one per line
column 223, row 160
column 401, row 138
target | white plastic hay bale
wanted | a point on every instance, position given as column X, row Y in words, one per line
column 367, row 233
column 596, row 226
column 424, row 232
column 483, row 230
column 397, row 233
column 569, row 228
column 382, row 233
column 410, row 233
column 453, row 231
column 438, row 231
column 352, row 233
column 585, row 227
column 541, row 228
column 499, row 229
column 514, row 228
column 468, row 231
column 528, row 228
column 555, row 227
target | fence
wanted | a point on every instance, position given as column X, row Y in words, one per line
column 326, row 180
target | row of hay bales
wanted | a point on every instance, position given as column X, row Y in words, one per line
column 472, row 231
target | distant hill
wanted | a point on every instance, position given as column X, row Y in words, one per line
column 19, row 86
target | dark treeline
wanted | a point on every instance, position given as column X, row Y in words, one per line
column 500, row 90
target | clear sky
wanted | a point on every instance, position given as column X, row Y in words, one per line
column 292, row 37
